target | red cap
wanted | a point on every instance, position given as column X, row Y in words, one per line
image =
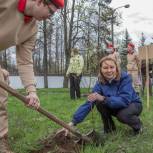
column 58, row 3
column 110, row 46
column 131, row 45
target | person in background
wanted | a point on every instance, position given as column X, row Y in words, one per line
column 19, row 28
column 133, row 66
column 113, row 53
column 74, row 72
column 113, row 95
column 144, row 78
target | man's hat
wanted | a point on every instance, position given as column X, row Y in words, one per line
column 57, row 3
column 110, row 45
column 109, row 48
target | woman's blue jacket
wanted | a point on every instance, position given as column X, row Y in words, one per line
column 118, row 95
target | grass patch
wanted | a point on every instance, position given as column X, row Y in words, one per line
column 27, row 126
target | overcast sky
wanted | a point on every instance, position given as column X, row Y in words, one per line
column 138, row 18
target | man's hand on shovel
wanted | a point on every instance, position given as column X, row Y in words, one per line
column 33, row 100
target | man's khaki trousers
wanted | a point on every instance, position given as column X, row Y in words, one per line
column 135, row 80
column 3, row 109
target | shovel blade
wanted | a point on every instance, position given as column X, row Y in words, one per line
column 94, row 137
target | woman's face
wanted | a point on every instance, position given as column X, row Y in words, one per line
column 108, row 69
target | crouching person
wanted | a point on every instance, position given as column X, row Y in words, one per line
column 113, row 95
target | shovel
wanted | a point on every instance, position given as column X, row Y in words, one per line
column 21, row 97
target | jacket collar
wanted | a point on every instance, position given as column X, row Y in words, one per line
column 21, row 8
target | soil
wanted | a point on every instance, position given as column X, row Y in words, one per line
column 58, row 143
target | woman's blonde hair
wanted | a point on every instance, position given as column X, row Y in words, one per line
column 101, row 77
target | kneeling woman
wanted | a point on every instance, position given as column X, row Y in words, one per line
column 113, row 95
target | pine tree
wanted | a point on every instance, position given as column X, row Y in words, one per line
column 123, row 52
column 142, row 40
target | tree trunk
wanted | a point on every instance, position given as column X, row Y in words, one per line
column 68, row 41
column 45, row 57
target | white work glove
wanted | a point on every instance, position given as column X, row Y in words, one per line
column 33, row 100
column 67, row 132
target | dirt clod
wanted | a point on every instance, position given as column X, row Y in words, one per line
column 58, row 143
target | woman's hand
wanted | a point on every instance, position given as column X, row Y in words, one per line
column 95, row 97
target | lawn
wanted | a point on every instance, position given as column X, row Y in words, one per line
column 27, row 126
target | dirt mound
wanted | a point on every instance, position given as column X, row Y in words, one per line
column 58, row 143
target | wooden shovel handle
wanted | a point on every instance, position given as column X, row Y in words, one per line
column 40, row 110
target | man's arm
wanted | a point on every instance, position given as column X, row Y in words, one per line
column 25, row 64
column 69, row 67
column 80, row 66
column 138, row 62
column 25, row 69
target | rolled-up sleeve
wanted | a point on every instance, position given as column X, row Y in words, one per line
column 25, row 63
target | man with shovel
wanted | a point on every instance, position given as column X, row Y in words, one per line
column 18, row 28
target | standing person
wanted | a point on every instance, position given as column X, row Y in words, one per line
column 113, row 53
column 143, row 73
column 113, row 95
column 18, row 28
column 133, row 66
column 74, row 72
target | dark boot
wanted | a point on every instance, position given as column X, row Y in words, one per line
column 109, row 125
column 138, row 131
column 4, row 146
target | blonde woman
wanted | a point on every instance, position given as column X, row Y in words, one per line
column 113, row 95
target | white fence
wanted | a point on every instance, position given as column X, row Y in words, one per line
column 53, row 82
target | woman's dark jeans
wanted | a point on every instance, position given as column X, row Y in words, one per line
column 129, row 116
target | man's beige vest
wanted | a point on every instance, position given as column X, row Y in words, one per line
column 132, row 60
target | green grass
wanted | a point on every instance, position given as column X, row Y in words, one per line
column 27, row 126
